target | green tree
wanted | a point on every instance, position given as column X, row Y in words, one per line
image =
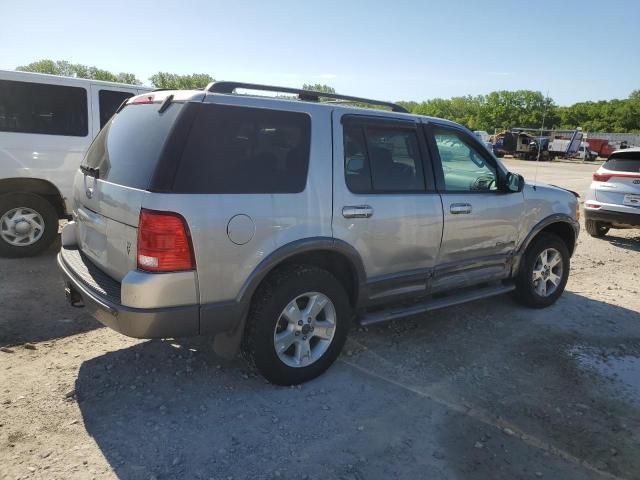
column 318, row 87
column 173, row 81
column 496, row 111
column 67, row 69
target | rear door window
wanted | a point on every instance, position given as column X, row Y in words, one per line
column 624, row 162
column 108, row 103
column 128, row 149
column 234, row 149
column 382, row 159
column 27, row 107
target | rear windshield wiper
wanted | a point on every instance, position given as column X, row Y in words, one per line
column 165, row 104
column 90, row 171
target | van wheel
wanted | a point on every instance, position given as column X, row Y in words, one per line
column 297, row 324
column 28, row 224
column 544, row 271
column 596, row 229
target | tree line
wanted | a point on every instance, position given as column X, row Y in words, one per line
column 495, row 111
column 503, row 109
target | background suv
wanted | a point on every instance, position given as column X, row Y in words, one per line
column 270, row 223
column 613, row 200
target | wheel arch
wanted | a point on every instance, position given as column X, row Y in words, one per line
column 37, row 186
column 563, row 226
column 336, row 256
column 333, row 255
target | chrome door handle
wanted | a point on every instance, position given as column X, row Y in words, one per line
column 357, row 211
column 460, row 208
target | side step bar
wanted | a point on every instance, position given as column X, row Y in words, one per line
column 434, row 304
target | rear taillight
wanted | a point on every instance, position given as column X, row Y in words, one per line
column 601, row 177
column 592, row 204
column 604, row 177
column 164, row 242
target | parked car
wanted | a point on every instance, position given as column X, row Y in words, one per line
column 613, row 200
column 46, row 125
column 270, row 223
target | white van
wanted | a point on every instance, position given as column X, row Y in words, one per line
column 47, row 123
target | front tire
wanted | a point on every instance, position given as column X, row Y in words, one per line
column 28, row 224
column 544, row 271
column 297, row 324
column 596, row 229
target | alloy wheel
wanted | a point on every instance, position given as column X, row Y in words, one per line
column 305, row 329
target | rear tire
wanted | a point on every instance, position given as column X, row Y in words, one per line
column 538, row 271
column 28, row 224
column 270, row 327
column 596, row 229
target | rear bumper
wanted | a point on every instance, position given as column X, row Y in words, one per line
column 609, row 216
column 164, row 322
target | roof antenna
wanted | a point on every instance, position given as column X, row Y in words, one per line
column 544, row 114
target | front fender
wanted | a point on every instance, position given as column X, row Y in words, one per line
column 550, row 221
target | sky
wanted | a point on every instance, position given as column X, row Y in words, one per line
column 391, row 50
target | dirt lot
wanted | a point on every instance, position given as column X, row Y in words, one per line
column 482, row 391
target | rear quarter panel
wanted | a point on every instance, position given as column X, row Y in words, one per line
column 278, row 219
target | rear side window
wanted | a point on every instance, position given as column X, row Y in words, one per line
column 27, row 107
column 624, row 162
column 245, row 150
column 108, row 103
column 382, row 159
column 127, row 150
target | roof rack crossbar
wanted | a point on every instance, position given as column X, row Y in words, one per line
column 306, row 95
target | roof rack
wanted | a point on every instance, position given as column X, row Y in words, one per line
column 305, row 95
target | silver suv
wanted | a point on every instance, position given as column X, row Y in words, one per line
column 271, row 223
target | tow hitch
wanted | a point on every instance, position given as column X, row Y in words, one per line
column 73, row 296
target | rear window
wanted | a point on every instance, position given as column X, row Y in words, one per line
column 624, row 162
column 27, row 107
column 127, row 150
column 245, row 150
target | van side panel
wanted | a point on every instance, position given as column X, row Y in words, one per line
column 50, row 157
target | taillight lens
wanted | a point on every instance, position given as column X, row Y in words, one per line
column 142, row 100
column 604, row 177
column 601, row 177
column 164, row 242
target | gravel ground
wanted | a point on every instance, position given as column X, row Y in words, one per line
column 481, row 391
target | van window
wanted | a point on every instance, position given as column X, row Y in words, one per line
column 27, row 107
column 128, row 149
column 245, row 150
column 382, row 159
column 108, row 103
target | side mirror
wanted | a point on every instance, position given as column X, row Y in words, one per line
column 514, row 182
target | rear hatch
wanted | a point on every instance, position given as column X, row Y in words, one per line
column 127, row 159
column 619, row 185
